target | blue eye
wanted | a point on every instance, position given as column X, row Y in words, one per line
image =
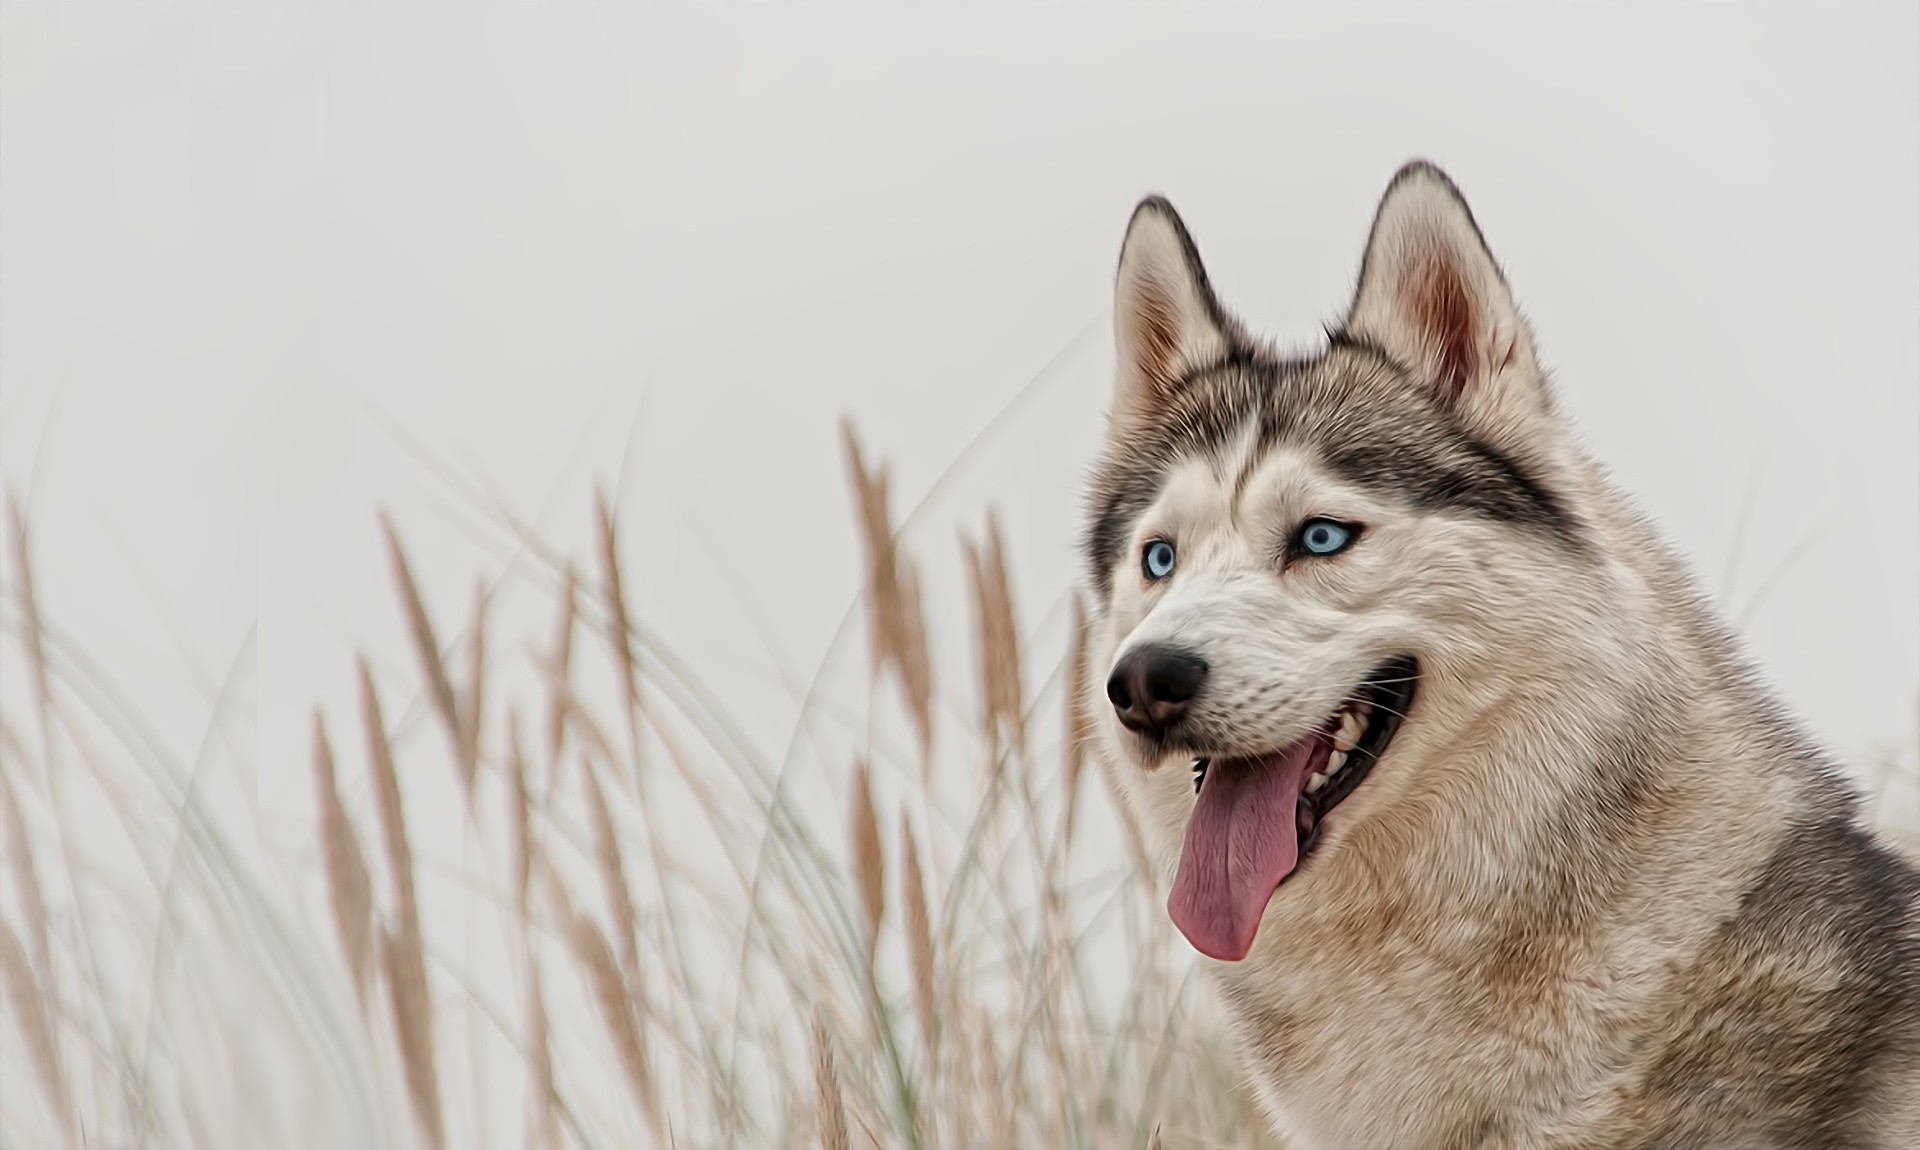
column 1324, row 537
column 1157, row 562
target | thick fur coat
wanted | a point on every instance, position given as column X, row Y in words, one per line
column 1599, row 889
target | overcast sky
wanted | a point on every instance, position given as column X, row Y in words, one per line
column 266, row 271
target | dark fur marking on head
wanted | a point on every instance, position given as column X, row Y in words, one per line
column 1352, row 404
column 1473, row 477
column 1408, row 444
column 1189, row 424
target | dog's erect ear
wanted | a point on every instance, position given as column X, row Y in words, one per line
column 1166, row 322
column 1432, row 297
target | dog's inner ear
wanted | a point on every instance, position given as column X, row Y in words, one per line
column 1432, row 297
column 1166, row 320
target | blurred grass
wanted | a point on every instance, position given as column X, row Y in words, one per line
column 593, row 914
column 646, row 933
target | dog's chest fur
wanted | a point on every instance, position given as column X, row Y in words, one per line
column 1773, row 1004
column 1389, row 1012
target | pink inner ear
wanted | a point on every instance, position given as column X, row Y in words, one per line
column 1444, row 308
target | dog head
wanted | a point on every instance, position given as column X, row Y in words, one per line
column 1316, row 578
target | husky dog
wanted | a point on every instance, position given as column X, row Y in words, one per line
column 1488, row 831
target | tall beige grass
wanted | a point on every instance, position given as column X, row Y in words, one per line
column 701, row 946
column 671, row 939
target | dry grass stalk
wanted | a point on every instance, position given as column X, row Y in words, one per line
column 471, row 700
column 540, row 1058
column 869, row 862
column 427, row 649
column 982, row 644
column 31, row 1006
column 962, row 1081
column 349, row 889
column 400, row 959
column 1054, row 948
column 1004, row 654
column 538, row 1037
column 896, row 624
column 980, row 1075
column 34, row 1017
column 915, row 659
column 619, row 628
column 33, row 641
column 920, row 953
column 876, row 539
column 562, row 670
column 581, row 721
column 832, row 1109
column 386, row 789
column 553, row 888
column 33, row 903
column 520, row 812
column 1079, row 729
column 539, row 1041
column 618, row 1011
column 995, row 1093
column 997, row 639
column 613, row 875
column 402, row 955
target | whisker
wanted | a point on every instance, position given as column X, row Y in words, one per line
column 1382, row 707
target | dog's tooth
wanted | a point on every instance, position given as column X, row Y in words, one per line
column 1335, row 761
column 1315, row 781
column 1348, row 737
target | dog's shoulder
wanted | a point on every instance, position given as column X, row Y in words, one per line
column 1803, row 1011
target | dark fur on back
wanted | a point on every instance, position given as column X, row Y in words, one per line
column 1805, row 1006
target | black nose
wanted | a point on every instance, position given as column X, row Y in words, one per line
column 1151, row 687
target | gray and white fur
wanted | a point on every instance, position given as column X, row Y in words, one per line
column 1600, row 889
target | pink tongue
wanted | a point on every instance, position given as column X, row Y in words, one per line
column 1241, row 841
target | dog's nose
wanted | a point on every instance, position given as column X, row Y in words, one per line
column 1151, row 687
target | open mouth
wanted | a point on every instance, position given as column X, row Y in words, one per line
column 1255, row 818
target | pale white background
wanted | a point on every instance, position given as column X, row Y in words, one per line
column 264, row 263
column 270, row 267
